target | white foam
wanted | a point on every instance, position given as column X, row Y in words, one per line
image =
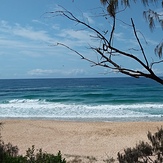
column 41, row 108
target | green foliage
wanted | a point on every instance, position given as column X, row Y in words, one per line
column 144, row 152
column 112, row 5
column 42, row 157
column 157, row 144
column 9, row 154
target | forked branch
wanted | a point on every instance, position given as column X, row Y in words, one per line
column 107, row 51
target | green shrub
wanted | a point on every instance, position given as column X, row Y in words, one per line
column 144, row 152
column 42, row 157
column 9, row 154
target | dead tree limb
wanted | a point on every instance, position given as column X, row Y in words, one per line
column 107, row 51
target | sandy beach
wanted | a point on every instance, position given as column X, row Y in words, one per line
column 96, row 139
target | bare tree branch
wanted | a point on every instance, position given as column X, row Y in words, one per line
column 161, row 61
column 139, row 42
column 107, row 51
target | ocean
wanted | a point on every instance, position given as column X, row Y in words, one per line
column 82, row 99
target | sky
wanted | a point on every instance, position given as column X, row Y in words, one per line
column 29, row 35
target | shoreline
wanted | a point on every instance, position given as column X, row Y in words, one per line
column 76, row 138
column 92, row 119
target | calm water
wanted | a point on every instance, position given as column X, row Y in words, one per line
column 97, row 99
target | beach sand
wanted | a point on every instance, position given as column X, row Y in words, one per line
column 96, row 139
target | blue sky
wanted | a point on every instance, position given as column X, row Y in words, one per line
column 28, row 36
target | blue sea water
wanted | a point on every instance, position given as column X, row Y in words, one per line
column 83, row 99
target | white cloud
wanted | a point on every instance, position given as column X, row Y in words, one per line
column 88, row 18
column 77, row 38
column 38, row 72
column 52, row 72
column 56, row 27
column 78, row 34
column 39, row 22
column 24, row 32
column 30, row 33
column 21, row 40
column 119, row 36
column 18, row 36
column 20, row 46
